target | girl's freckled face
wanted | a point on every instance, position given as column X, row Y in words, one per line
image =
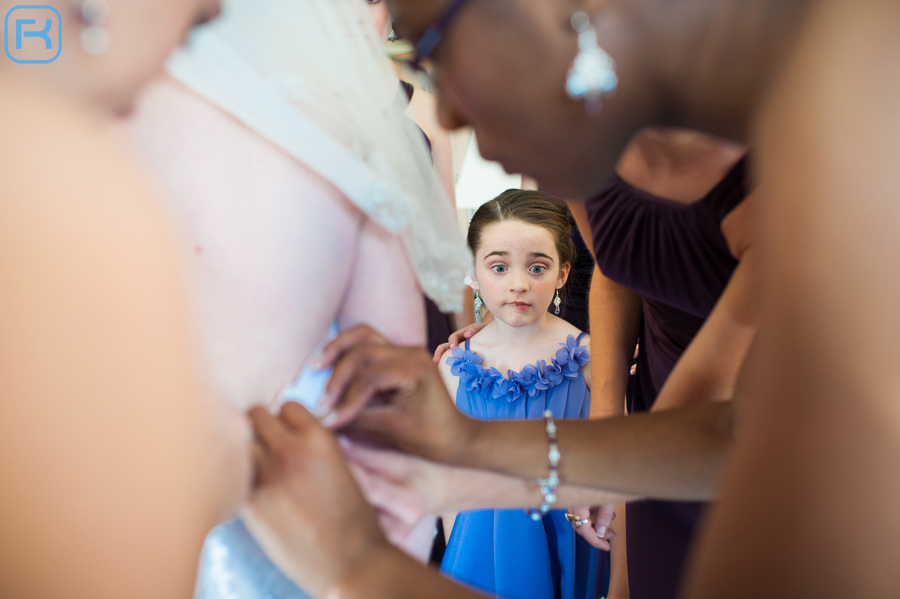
column 517, row 271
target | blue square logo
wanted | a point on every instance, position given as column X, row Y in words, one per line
column 33, row 34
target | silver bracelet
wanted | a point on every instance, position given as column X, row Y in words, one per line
column 548, row 485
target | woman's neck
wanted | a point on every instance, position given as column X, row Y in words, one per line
column 721, row 58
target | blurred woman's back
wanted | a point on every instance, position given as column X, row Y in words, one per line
column 107, row 444
column 110, row 442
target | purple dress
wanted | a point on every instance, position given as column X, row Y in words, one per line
column 675, row 256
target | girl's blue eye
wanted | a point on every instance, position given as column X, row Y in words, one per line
column 498, row 268
column 538, row 269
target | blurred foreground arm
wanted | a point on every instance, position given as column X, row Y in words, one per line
column 107, row 442
column 312, row 520
column 820, row 432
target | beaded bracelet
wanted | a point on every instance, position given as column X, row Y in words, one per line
column 548, row 485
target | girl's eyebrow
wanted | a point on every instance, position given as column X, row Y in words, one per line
column 531, row 255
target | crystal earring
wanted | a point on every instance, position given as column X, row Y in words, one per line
column 593, row 72
column 94, row 37
column 392, row 36
column 557, row 302
column 478, row 304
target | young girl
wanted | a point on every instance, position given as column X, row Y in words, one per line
column 523, row 252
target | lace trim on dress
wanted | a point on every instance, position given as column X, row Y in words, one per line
column 533, row 379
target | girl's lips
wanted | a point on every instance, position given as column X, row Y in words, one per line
column 520, row 304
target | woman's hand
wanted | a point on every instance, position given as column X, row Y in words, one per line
column 408, row 487
column 403, row 488
column 306, row 510
column 392, row 393
column 458, row 337
column 596, row 531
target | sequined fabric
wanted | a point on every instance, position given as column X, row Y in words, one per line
column 233, row 566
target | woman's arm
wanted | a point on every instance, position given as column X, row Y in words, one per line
column 617, row 311
column 382, row 291
column 615, row 316
column 819, row 432
column 413, row 486
column 674, row 454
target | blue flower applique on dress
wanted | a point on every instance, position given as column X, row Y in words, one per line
column 534, row 378
column 467, row 366
column 571, row 357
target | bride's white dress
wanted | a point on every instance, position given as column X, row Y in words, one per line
column 310, row 78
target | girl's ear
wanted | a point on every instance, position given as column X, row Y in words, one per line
column 563, row 275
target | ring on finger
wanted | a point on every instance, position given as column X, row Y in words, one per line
column 575, row 520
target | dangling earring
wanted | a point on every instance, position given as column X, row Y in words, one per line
column 593, row 72
column 392, row 36
column 478, row 304
column 557, row 302
column 94, row 37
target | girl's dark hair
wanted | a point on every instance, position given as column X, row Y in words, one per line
column 530, row 207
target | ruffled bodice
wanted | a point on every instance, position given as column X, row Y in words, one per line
column 559, row 385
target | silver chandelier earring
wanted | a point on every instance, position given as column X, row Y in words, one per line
column 94, row 36
column 557, row 302
column 593, row 72
column 478, row 304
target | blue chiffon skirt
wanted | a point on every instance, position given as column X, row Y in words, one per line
column 506, row 553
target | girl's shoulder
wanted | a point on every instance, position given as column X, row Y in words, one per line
column 449, row 374
column 564, row 330
column 464, row 353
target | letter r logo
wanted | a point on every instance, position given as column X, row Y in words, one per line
column 33, row 34
column 44, row 34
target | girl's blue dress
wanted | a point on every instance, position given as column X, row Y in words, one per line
column 505, row 552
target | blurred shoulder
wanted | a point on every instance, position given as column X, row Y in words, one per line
column 70, row 191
